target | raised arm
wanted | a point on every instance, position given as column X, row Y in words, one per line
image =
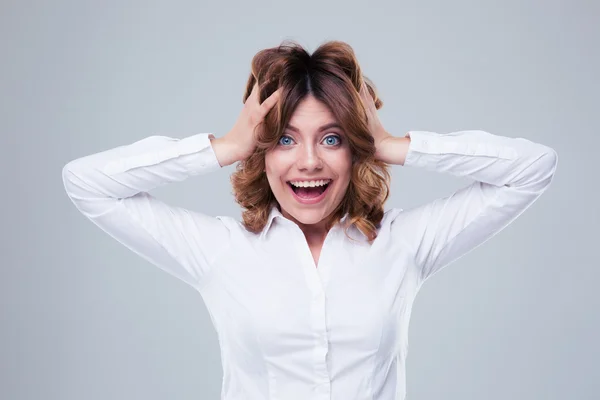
column 111, row 189
column 509, row 175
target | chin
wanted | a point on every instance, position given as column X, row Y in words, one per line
column 309, row 217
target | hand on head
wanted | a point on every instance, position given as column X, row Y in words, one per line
column 242, row 134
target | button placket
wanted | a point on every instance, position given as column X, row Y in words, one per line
column 317, row 310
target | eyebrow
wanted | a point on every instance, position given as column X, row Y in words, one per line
column 326, row 126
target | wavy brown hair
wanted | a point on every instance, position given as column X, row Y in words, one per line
column 333, row 76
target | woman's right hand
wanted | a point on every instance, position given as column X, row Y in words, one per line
column 239, row 143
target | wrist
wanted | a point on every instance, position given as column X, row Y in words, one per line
column 225, row 150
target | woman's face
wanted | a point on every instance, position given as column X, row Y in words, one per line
column 311, row 149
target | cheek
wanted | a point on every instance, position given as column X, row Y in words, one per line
column 346, row 176
column 272, row 161
column 344, row 167
column 273, row 172
column 271, row 168
column 276, row 166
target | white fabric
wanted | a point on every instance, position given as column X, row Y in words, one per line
column 289, row 330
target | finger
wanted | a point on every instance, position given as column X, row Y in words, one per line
column 250, row 99
column 363, row 95
column 271, row 100
column 255, row 90
column 367, row 97
column 363, row 89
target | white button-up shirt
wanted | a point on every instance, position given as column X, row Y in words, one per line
column 289, row 330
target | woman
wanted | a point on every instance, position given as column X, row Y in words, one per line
column 311, row 292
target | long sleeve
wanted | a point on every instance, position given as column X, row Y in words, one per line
column 509, row 175
column 110, row 188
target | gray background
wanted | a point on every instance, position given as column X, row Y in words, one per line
column 84, row 318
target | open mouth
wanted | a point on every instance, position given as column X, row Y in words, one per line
column 309, row 193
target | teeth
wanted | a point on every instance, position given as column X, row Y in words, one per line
column 310, row 183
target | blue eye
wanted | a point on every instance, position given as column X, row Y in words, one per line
column 284, row 137
column 333, row 136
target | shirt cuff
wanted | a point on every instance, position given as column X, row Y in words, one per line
column 421, row 143
column 205, row 160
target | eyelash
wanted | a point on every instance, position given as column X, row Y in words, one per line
column 336, row 136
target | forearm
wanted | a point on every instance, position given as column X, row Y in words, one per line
column 148, row 163
column 482, row 156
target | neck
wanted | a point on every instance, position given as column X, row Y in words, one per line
column 314, row 233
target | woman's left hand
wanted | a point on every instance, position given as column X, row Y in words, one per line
column 380, row 135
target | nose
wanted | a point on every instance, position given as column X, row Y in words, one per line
column 309, row 159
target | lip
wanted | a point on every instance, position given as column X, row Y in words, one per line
column 309, row 201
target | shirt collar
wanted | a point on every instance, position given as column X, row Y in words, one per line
column 275, row 213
